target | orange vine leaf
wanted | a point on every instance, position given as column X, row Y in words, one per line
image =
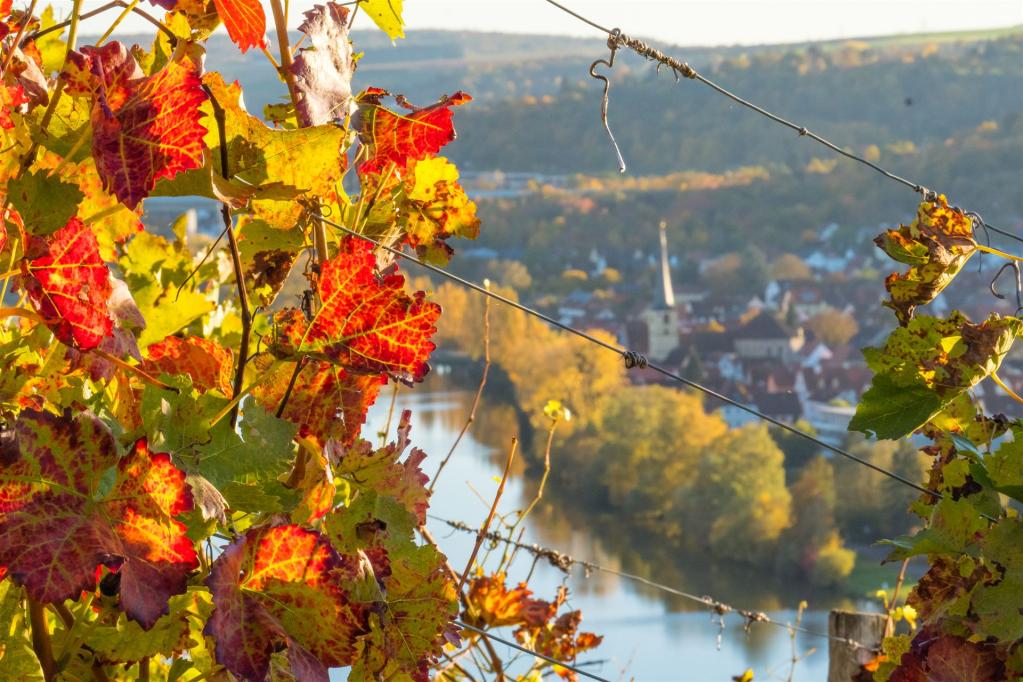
column 69, row 286
column 210, row 365
column 366, row 321
column 145, row 128
column 280, row 588
column 58, row 527
column 398, row 138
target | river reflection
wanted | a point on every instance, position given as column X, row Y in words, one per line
column 648, row 635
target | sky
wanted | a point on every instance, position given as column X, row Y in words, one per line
column 683, row 22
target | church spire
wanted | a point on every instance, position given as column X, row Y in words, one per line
column 665, row 291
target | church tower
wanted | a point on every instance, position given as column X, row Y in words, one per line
column 662, row 316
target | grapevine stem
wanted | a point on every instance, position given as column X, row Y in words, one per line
column 138, row 371
column 539, row 493
column 479, row 393
column 281, row 28
column 280, row 13
column 291, row 386
column 889, row 623
column 100, row 10
column 20, row 312
column 248, row 389
column 17, row 39
column 1001, row 254
column 128, row 9
column 495, row 660
column 41, row 643
column 490, row 517
column 236, row 259
column 1005, row 387
column 58, row 90
column 390, row 415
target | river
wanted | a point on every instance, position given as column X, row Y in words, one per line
column 649, row 636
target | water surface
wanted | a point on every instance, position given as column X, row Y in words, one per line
column 648, row 635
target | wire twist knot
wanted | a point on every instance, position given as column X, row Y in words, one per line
column 634, row 360
column 619, row 39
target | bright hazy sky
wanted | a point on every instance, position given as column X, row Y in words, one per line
column 689, row 22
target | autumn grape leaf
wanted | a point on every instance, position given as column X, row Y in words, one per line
column 438, row 208
column 309, row 161
column 11, row 98
column 58, row 526
column 259, row 450
column 386, row 14
column 145, row 128
column 268, row 255
column 68, row 284
column 210, row 365
column 380, row 470
column 491, row 604
column 323, row 70
column 157, row 273
column 936, row 245
column 1005, row 466
column 277, row 588
column 953, row 527
column 934, row 657
column 365, row 322
column 178, row 420
column 111, row 221
column 415, row 602
column 927, row 364
column 560, row 639
column 16, row 656
column 115, row 639
column 326, row 402
column 245, row 21
column 45, row 203
column 995, row 602
column 399, row 138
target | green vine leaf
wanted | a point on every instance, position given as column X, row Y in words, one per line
column 927, row 364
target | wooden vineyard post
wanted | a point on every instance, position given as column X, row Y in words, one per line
column 845, row 662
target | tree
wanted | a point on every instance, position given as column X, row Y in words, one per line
column 739, row 502
column 834, row 327
column 789, row 266
column 812, row 542
column 868, row 505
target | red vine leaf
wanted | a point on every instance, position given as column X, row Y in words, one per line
column 210, row 365
column 11, row 97
column 326, row 402
column 933, row 657
column 245, row 21
column 57, row 527
column 145, row 128
column 398, row 138
column 366, row 321
column 68, row 284
column 277, row 588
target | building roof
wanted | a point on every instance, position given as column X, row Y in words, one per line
column 779, row 405
column 763, row 326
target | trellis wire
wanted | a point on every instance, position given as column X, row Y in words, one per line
column 564, row 563
column 617, row 38
column 515, row 645
column 632, row 358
